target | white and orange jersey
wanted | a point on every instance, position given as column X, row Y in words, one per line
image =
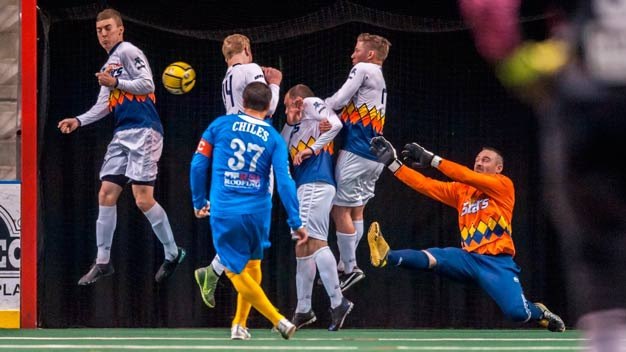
column 132, row 101
column 237, row 78
column 362, row 100
column 306, row 134
column 484, row 202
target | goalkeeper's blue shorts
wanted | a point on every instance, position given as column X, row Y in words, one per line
column 497, row 275
column 240, row 238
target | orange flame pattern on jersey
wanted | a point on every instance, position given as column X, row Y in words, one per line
column 117, row 97
column 329, row 148
column 365, row 115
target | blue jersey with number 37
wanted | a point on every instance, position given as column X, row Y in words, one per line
column 240, row 150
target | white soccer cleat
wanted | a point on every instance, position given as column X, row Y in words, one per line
column 238, row 332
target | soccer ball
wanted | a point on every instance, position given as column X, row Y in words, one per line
column 179, row 78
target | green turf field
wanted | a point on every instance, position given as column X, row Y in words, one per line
column 304, row 340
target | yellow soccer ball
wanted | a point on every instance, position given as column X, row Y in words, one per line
column 179, row 78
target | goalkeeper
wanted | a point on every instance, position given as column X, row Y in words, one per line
column 484, row 199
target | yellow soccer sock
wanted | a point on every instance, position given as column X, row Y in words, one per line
column 253, row 268
column 251, row 292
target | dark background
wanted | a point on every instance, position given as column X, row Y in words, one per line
column 441, row 94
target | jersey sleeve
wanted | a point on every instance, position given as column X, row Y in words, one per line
column 285, row 184
column 438, row 190
column 495, row 185
column 199, row 170
column 99, row 110
column 136, row 65
column 338, row 100
column 317, row 108
column 275, row 97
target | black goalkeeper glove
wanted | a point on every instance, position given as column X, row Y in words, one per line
column 385, row 153
column 416, row 157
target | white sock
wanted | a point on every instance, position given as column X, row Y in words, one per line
column 305, row 275
column 358, row 225
column 217, row 265
column 325, row 261
column 347, row 250
column 162, row 229
column 105, row 228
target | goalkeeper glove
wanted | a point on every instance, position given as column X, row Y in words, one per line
column 385, row 153
column 416, row 157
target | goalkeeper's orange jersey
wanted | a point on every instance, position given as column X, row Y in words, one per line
column 484, row 202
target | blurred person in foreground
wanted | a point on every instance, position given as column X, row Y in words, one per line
column 576, row 80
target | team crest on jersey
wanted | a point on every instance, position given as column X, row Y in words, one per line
column 474, row 207
column 364, row 115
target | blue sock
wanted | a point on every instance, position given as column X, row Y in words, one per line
column 408, row 258
column 535, row 313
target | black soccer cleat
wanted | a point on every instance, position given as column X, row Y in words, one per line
column 302, row 319
column 550, row 320
column 339, row 314
column 95, row 273
column 167, row 268
column 348, row 280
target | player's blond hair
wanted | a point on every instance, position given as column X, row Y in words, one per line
column 380, row 45
column 234, row 44
column 110, row 13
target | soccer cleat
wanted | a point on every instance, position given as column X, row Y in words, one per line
column 167, row 268
column 348, row 280
column 238, row 332
column 286, row 328
column 95, row 273
column 550, row 320
column 339, row 314
column 302, row 319
column 379, row 249
column 207, row 280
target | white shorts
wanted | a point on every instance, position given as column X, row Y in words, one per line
column 356, row 179
column 316, row 200
column 133, row 153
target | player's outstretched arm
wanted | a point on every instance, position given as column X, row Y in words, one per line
column 417, row 157
column 385, row 153
column 68, row 125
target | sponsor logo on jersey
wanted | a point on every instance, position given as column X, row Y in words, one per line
column 242, row 180
column 474, row 207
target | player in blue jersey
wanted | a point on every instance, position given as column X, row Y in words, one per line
column 362, row 102
column 240, row 151
column 127, row 90
column 240, row 72
column 311, row 154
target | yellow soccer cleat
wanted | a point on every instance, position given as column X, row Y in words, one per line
column 378, row 246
